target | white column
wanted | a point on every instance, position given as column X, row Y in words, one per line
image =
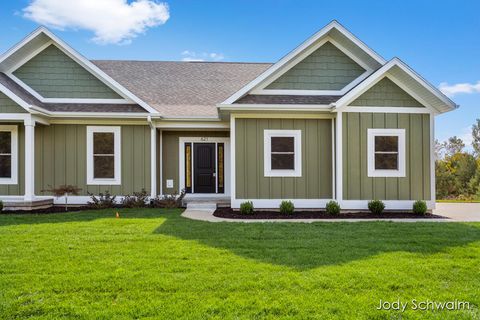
column 29, row 159
column 153, row 161
column 339, row 157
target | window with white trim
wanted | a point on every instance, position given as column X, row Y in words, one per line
column 103, row 155
column 8, row 155
column 386, row 152
column 283, row 154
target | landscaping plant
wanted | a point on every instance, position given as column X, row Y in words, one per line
column 376, row 206
column 138, row 200
column 287, row 207
column 1, row 205
column 420, row 207
column 103, row 201
column 170, row 201
column 333, row 207
column 64, row 190
column 246, row 207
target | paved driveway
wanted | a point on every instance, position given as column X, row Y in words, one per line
column 459, row 211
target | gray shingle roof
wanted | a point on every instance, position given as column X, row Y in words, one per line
column 66, row 107
column 285, row 99
column 182, row 89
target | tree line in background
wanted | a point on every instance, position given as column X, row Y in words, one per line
column 457, row 170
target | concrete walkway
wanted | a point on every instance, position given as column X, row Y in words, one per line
column 456, row 212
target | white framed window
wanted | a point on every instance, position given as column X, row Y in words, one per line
column 282, row 153
column 103, row 155
column 386, row 152
column 8, row 154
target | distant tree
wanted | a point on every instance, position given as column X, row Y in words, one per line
column 439, row 149
column 454, row 145
column 476, row 138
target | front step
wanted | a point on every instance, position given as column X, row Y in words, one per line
column 27, row 205
column 201, row 205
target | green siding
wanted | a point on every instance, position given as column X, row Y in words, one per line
column 327, row 68
column 19, row 188
column 316, row 179
column 356, row 183
column 7, row 105
column 170, row 160
column 53, row 74
column 386, row 93
column 61, row 153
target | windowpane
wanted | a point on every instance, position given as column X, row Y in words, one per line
column 386, row 143
column 5, row 142
column 386, row 161
column 5, row 166
column 283, row 144
column 104, row 167
column 103, row 143
column 283, row 161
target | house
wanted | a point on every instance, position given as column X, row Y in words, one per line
column 331, row 120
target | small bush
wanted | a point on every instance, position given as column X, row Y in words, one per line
column 333, row 207
column 376, row 206
column 138, row 200
column 420, row 207
column 169, row 201
column 1, row 205
column 287, row 207
column 103, row 201
column 246, row 207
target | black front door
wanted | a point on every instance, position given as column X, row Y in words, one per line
column 204, row 167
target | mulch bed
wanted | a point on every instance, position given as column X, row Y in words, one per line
column 54, row 209
column 230, row 213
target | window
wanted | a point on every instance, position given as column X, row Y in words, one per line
column 283, row 156
column 386, row 152
column 8, row 155
column 103, row 155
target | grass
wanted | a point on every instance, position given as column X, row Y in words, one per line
column 156, row 264
column 457, row 201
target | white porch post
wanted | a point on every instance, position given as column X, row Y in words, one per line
column 29, row 159
column 339, row 164
column 153, row 161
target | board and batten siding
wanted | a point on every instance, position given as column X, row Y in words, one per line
column 53, row 74
column 316, row 179
column 7, row 105
column 327, row 68
column 356, row 183
column 19, row 188
column 170, row 160
column 61, row 155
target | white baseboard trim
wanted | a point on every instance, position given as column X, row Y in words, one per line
column 275, row 203
column 76, row 200
column 389, row 204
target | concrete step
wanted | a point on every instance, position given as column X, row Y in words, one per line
column 201, row 205
column 27, row 205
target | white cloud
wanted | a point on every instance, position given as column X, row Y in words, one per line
column 111, row 21
column 204, row 56
column 451, row 90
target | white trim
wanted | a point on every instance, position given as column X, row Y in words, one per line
column 193, row 125
column 29, row 158
column 233, row 170
column 153, row 161
column 274, row 107
column 371, row 134
column 433, row 195
column 82, row 61
column 339, row 156
column 116, row 130
column 305, row 45
column 381, row 109
column 226, row 163
column 14, row 97
column 13, row 129
column 389, row 204
column 267, row 156
column 275, row 203
column 160, row 136
column 87, row 101
column 333, row 159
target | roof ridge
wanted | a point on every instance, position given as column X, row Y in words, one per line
column 178, row 61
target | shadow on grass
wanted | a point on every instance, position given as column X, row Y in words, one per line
column 306, row 246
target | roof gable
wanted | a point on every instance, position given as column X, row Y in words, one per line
column 53, row 74
column 326, row 68
column 7, row 105
column 386, row 93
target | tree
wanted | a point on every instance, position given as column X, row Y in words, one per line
column 476, row 137
column 64, row 190
column 453, row 146
column 439, row 149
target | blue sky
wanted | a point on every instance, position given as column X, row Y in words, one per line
column 439, row 39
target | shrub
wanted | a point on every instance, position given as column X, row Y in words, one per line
column 1, row 205
column 103, row 201
column 420, row 207
column 246, row 207
column 287, row 207
column 376, row 206
column 138, row 200
column 64, row 190
column 169, row 201
column 333, row 207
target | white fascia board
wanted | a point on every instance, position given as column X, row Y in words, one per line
column 290, row 56
column 270, row 107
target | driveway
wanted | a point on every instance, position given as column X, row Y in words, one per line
column 459, row 211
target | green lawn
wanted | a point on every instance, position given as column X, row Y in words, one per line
column 156, row 264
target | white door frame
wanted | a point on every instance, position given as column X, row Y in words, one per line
column 226, row 164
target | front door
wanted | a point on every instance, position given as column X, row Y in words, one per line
column 204, row 167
